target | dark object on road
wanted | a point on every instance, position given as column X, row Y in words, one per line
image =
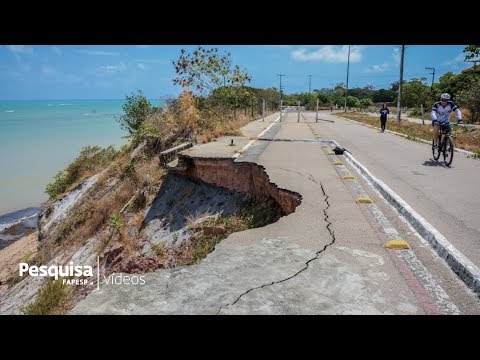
column 339, row 150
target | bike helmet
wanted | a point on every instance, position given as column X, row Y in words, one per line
column 445, row 96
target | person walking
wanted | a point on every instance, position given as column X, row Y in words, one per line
column 383, row 115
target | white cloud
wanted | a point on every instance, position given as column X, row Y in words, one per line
column 460, row 58
column 396, row 55
column 329, row 53
column 378, row 68
column 57, row 50
column 97, row 52
column 152, row 61
column 48, row 70
column 20, row 49
column 141, row 66
column 113, row 69
column 143, row 46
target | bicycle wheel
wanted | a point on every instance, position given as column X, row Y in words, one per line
column 436, row 151
column 448, row 150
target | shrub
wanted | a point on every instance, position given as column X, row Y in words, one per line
column 352, row 101
column 365, row 103
column 146, row 131
column 136, row 110
column 470, row 99
column 48, row 299
column 90, row 160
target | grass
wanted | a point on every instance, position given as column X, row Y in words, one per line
column 255, row 213
column 89, row 162
column 48, row 300
column 98, row 211
column 467, row 139
column 13, row 279
column 159, row 249
column 116, row 221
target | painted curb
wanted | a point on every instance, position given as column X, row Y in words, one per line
column 397, row 244
column 460, row 264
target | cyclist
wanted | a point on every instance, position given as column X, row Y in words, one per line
column 441, row 114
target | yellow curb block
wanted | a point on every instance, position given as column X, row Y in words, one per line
column 337, row 163
column 397, row 244
column 364, row 200
column 348, row 177
column 331, row 153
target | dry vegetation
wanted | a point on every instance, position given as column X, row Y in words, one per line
column 112, row 210
column 211, row 229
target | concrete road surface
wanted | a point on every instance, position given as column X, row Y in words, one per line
column 328, row 257
column 448, row 198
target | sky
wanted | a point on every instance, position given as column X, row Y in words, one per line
column 49, row 72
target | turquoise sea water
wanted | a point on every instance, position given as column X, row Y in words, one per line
column 39, row 138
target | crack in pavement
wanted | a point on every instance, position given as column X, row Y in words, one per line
column 317, row 254
column 297, row 172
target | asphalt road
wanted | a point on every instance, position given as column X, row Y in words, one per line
column 448, row 198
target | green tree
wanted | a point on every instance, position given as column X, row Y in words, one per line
column 366, row 103
column 203, row 69
column 135, row 111
column 236, row 82
column 415, row 92
column 470, row 98
column 362, row 93
column 447, row 83
column 324, row 99
column 395, row 85
column 208, row 70
column 384, row 95
column 472, row 52
column 352, row 101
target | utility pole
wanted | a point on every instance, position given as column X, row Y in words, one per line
column 348, row 69
column 310, row 85
column 400, row 85
column 316, row 116
column 263, row 109
column 281, row 98
column 433, row 75
column 298, row 111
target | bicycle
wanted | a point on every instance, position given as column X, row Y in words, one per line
column 445, row 145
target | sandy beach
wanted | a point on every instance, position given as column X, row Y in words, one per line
column 21, row 250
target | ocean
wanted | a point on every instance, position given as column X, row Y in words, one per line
column 39, row 138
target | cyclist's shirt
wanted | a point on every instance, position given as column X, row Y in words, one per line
column 442, row 114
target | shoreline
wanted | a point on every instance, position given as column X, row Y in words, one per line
column 18, row 224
